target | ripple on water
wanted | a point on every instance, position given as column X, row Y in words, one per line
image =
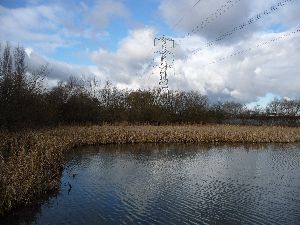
column 150, row 184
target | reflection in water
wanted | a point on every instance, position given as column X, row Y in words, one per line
column 176, row 184
column 28, row 215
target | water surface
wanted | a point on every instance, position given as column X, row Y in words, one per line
column 175, row 184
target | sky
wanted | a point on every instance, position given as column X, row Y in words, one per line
column 113, row 40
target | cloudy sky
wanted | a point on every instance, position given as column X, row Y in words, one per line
column 214, row 52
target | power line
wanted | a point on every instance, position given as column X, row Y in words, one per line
column 183, row 16
column 245, row 24
column 220, row 11
column 209, row 19
column 193, row 6
column 280, row 37
column 196, row 4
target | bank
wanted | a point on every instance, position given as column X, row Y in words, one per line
column 31, row 162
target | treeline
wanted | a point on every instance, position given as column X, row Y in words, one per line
column 25, row 102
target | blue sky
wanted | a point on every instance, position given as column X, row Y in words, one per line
column 141, row 13
column 113, row 40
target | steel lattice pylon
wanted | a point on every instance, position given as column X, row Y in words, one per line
column 165, row 54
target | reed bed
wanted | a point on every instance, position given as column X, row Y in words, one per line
column 31, row 162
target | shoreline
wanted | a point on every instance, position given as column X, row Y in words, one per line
column 31, row 162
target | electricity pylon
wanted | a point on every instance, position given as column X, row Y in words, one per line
column 165, row 56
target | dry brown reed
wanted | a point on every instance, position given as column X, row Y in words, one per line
column 31, row 162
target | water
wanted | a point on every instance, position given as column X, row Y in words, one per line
column 174, row 184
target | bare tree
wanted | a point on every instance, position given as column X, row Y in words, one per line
column 0, row 64
column 36, row 78
column 7, row 62
column 233, row 108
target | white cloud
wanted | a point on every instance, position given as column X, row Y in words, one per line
column 232, row 14
column 124, row 66
column 37, row 26
column 181, row 10
column 106, row 10
column 271, row 68
column 47, row 27
column 60, row 71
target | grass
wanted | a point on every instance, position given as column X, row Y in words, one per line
column 31, row 162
